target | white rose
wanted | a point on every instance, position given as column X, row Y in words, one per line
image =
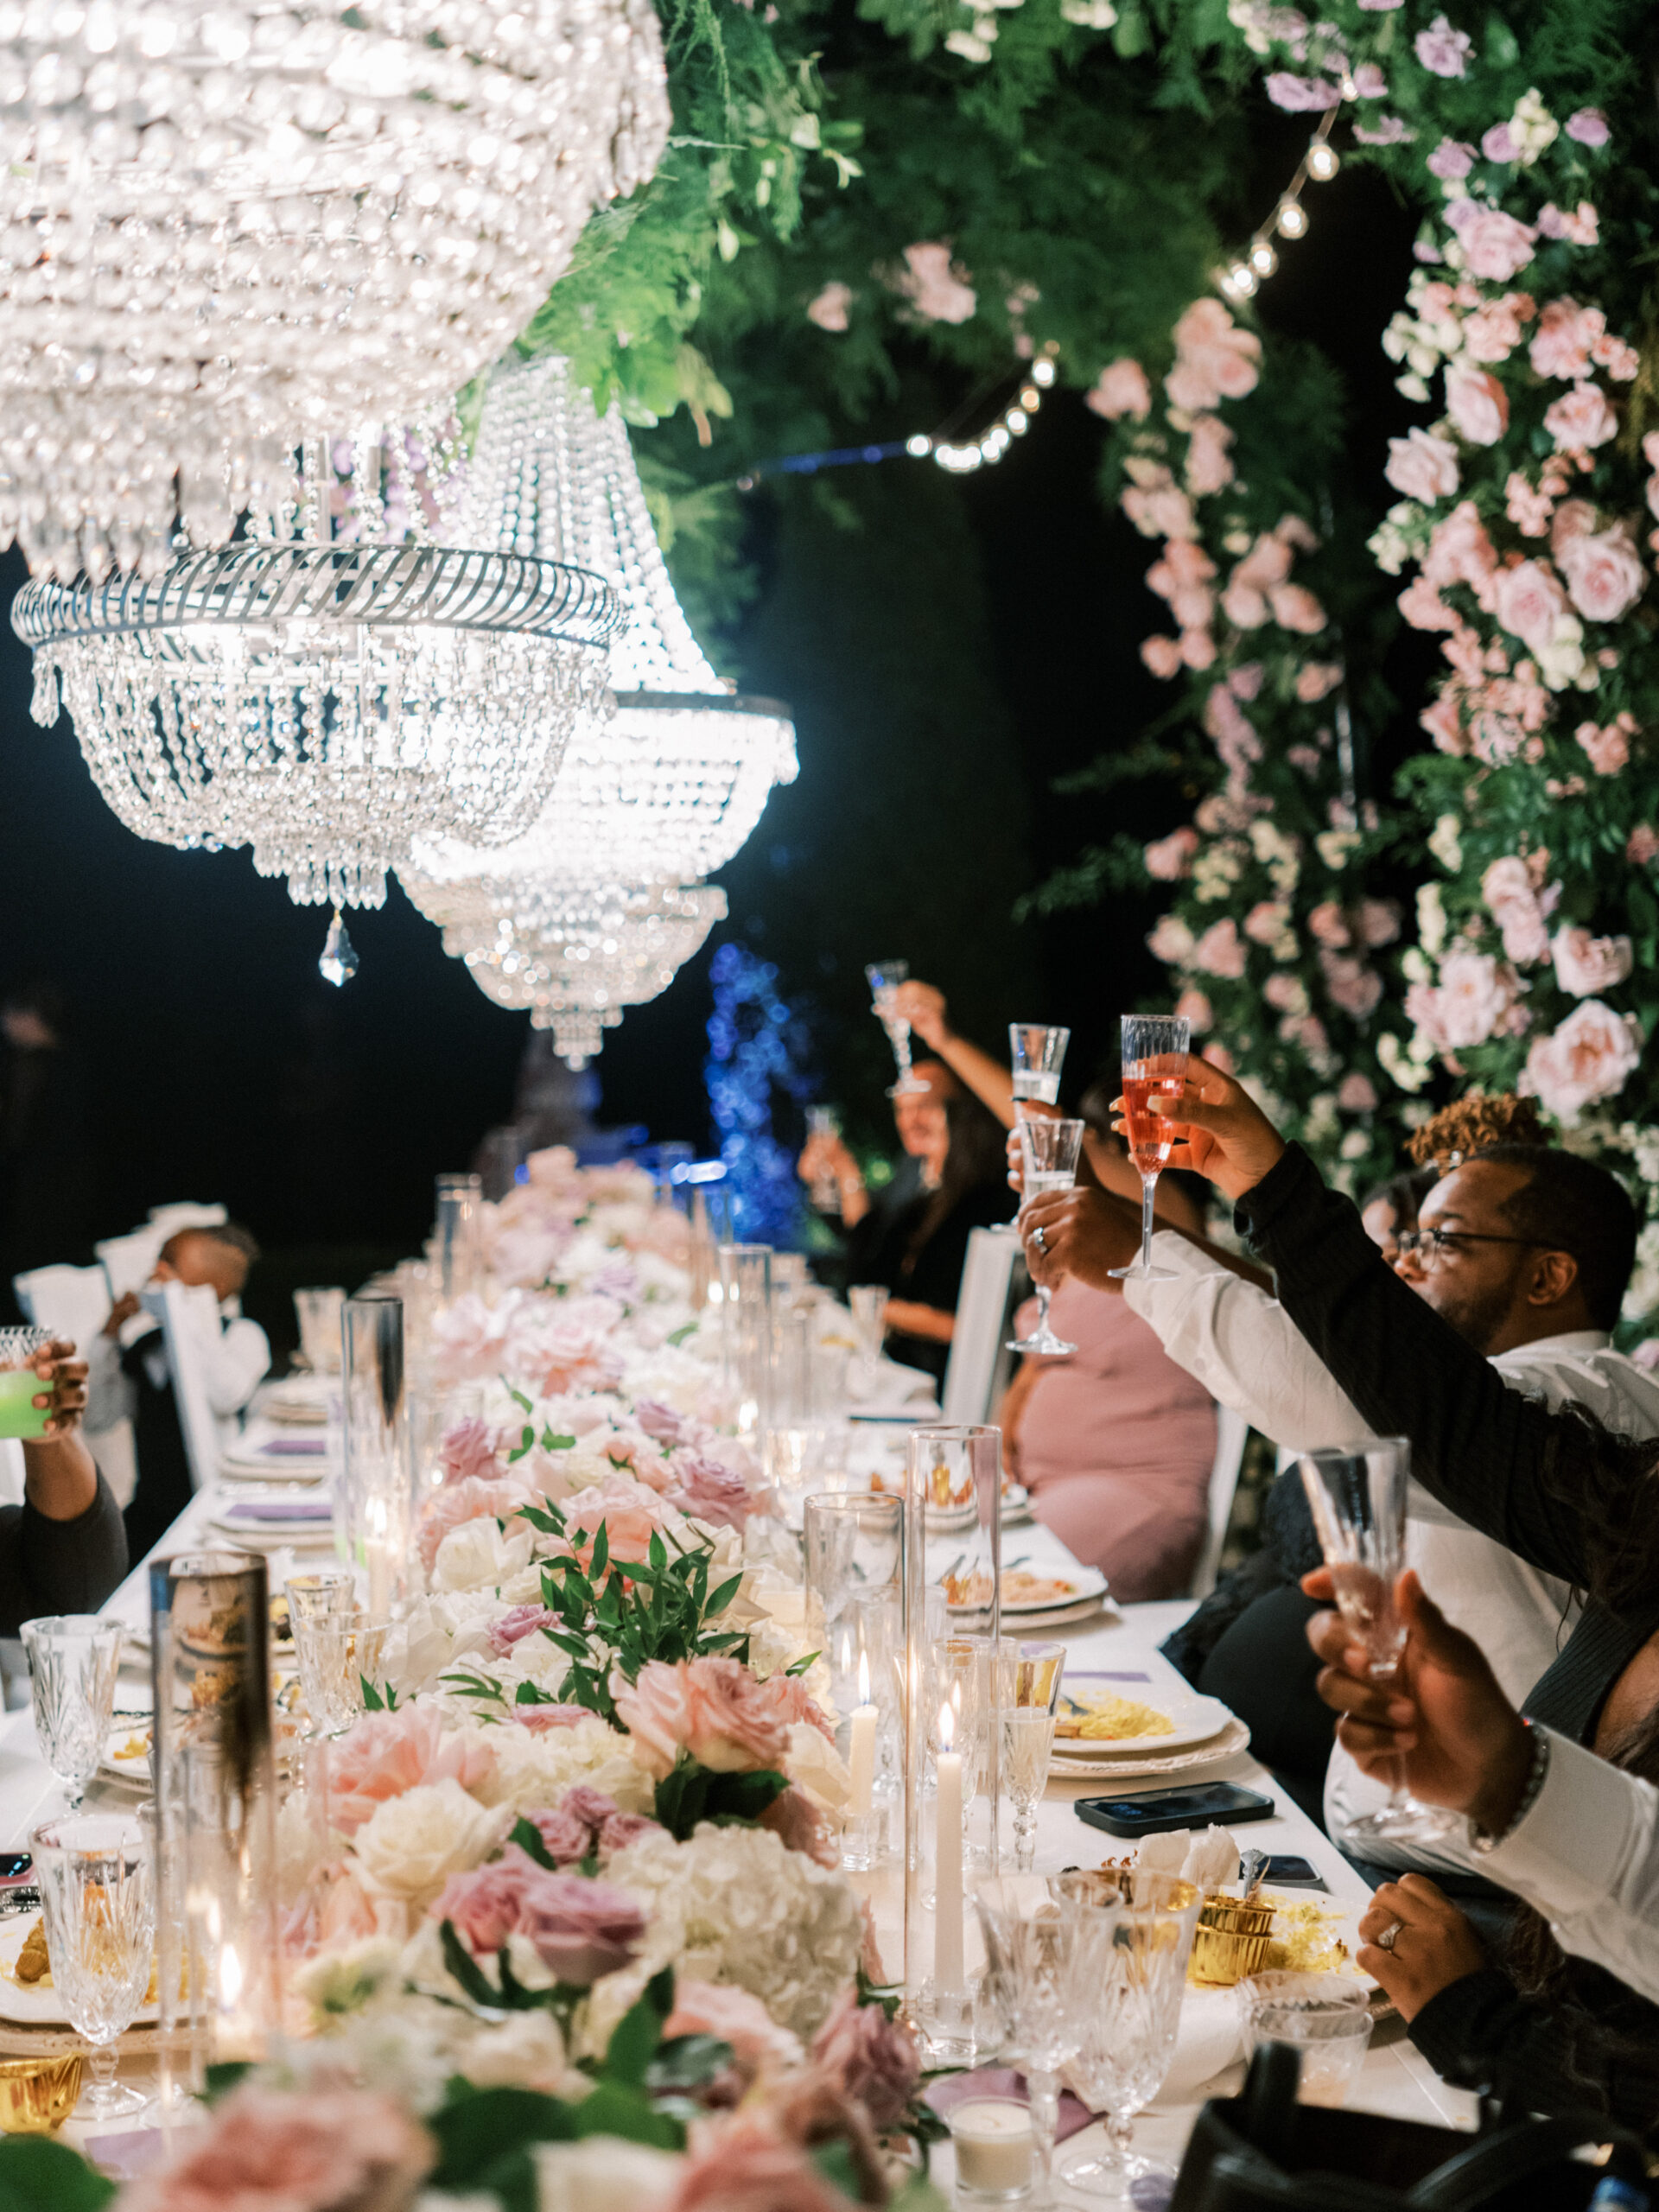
column 415, row 1842
column 531, row 1770
column 813, row 1762
column 525, row 2052
column 477, row 1555
column 337, row 1982
column 604, row 2174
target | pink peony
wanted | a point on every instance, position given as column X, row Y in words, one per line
column 1581, row 419
column 1220, row 951
column 1495, row 246
column 1530, row 603
column 483, row 1906
column 829, row 310
column 1266, row 921
column 745, row 2166
column 1357, row 1094
column 1588, row 125
column 1608, row 748
column 1214, row 359
column 1603, row 573
column 1294, row 607
column 714, row 1709
column 1120, row 389
column 1474, row 994
column 579, row 1929
column 1208, row 468
column 1162, row 656
column 1301, row 95
column 455, row 1503
column 933, row 284
column 1451, row 159
column 1586, row 964
column 384, row 1754
column 1422, row 467
column 1442, row 51
column 1355, row 987
column 1590, row 1057
column 1170, row 858
column 737, row 2017
column 1327, row 923
column 1478, row 405
column 276, row 2151
column 868, row 2057
column 1193, row 1007
column 1562, row 342
column 1642, row 845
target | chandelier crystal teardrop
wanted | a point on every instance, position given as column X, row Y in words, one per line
column 224, row 227
column 330, row 696
column 665, row 791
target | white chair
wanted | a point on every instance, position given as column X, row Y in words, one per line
column 73, row 1302
column 977, row 1346
column 189, row 1310
column 130, row 1261
column 1232, row 1430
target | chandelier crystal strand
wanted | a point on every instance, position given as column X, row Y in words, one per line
column 223, row 227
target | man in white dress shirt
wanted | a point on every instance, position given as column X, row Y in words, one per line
column 1525, row 1250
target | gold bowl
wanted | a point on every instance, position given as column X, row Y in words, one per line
column 38, row 2094
column 1230, row 1942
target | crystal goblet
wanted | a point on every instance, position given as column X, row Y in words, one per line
column 97, row 1899
column 72, row 1662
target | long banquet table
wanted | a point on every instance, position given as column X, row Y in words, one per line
column 1395, row 2080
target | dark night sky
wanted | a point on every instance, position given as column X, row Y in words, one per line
column 218, row 1064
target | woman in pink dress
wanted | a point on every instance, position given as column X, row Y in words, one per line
column 1115, row 1443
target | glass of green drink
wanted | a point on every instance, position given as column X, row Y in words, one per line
column 20, row 1385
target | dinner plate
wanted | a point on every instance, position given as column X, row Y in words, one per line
column 121, row 1762
column 29, row 2004
column 1123, row 1766
column 1197, row 1720
column 1075, row 1587
column 269, row 1471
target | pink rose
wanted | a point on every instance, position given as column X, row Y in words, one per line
column 1245, row 608
column 795, row 1707
column 1529, row 603
column 1442, row 51
column 1301, row 95
column 1585, row 964
column 1327, row 923
column 1573, row 518
column 1170, row 858
column 934, row 285
column 1495, row 246
column 1370, row 82
column 744, row 2166
column 1194, row 1008
column 624, row 1828
column 580, row 1929
column 1493, row 331
column 829, row 310
column 1220, row 951
column 517, row 1623
column 1284, row 993
column 1581, row 419
column 1497, row 145
column 384, row 1754
column 1474, row 994
column 868, row 2057
column 1246, row 681
column 630, row 1513
column 1159, row 508
column 1592, row 1056
column 1423, row 607
column 565, row 1838
column 1208, row 468
column 1579, row 226
column 278, row 2150
column 538, row 1719
column 658, row 1420
column 1357, row 1094
column 1459, row 551
column 1451, row 159
column 1609, row 749
column 469, row 1450
column 469, row 1339
column 1171, row 941
column 468, row 1499
column 1294, row 607
column 1267, row 564
column 1355, row 987
column 1478, row 404
column 1603, row 572
column 1162, row 656
column 711, row 1491
column 483, row 1906
column 1588, row 125
column 714, row 1709
column 737, row 2017
column 1214, row 359
column 1422, row 467
column 1561, row 344
column 1266, row 921
column 1120, row 389
column 1642, row 845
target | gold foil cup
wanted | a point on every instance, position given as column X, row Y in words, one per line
column 38, row 2094
column 1230, row 1942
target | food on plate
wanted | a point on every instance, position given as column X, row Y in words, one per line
column 133, row 1748
column 1306, row 1937
column 281, row 1630
column 33, row 1965
column 1099, row 1716
column 1019, row 1588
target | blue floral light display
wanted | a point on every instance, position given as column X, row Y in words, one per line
column 757, row 1074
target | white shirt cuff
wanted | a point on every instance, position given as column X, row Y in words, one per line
column 1588, row 1824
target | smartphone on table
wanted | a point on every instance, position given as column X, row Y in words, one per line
column 1159, row 1810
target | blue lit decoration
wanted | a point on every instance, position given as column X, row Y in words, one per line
column 758, row 1051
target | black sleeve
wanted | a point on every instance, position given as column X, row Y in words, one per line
column 59, row 1566
column 1550, row 2055
column 1503, row 1461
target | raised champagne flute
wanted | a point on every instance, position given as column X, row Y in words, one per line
column 1049, row 1150
column 1358, row 1497
column 823, row 1127
column 1036, row 1055
column 1155, row 1048
column 884, row 977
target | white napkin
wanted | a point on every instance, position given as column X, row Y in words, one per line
column 1211, row 1859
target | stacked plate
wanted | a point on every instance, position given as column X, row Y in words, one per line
column 1199, row 1731
column 300, row 1518
column 1031, row 1600
column 265, row 1452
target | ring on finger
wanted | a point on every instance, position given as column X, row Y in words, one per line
column 1039, row 1238
column 1390, row 1936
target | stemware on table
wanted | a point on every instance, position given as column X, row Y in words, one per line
column 884, row 977
column 318, row 1312
column 97, row 1873
column 1036, row 1999
column 1028, row 1678
column 72, row 1662
column 1133, row 1959
column 1358, row 1497
column 867, row 1303
column 1049, row 1152
column 337, row 1653
column 1155, row 1048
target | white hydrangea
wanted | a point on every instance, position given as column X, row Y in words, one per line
column 1215, row 871
column 533, row 1769
column 1409, row 1066
column 1445, row 842
column 1430, row 919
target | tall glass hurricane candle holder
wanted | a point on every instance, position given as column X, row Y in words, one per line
column 217, row 1937
column 938, row 1784
column 374, row 1501
column 853, row 1550
column 457, row 1232
column 746, row 1336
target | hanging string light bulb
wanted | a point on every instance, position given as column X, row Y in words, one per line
column 1246, row 271
column 224, row 227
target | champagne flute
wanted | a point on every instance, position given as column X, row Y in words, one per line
column 1358, row 1497
column 1037, row 1054
column 884, row 977
column 823, row 1125
column 1028, row 1692
column 97, row 1872
column 1050, row 1151
column 1155, row 1048
column 868, row 1302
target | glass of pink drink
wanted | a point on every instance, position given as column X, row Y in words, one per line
column 1155, row 1048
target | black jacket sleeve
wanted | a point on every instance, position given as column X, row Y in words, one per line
column 59, row 1566
column 1551, row 2056
column 1503, row 1462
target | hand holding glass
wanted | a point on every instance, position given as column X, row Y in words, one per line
column 1049, row 1151
column 1036, row 1054
column 884, row 977
column 20, row 1385
column 1155, row 1048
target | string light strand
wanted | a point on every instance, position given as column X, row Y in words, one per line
column 1243, row 276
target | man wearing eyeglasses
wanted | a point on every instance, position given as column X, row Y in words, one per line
column 1525, row 1250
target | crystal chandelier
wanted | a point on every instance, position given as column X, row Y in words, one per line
column 326, row 700
column 665, row 791
column 223, row 227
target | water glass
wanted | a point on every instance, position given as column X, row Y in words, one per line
column 884, row 977
column 1330, row 2039
column 1358, row 1497
column 1155, row 1048
column 338, row 1653
column 20, row 1385
column 1037, row 1054
column 318, row 1312
column 97, row 1872
column 868, row 1304
column 1049, row 1153
column 315, row 1596
column 1036, row 2000
column 1135, row 1960
column 72, row 1662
